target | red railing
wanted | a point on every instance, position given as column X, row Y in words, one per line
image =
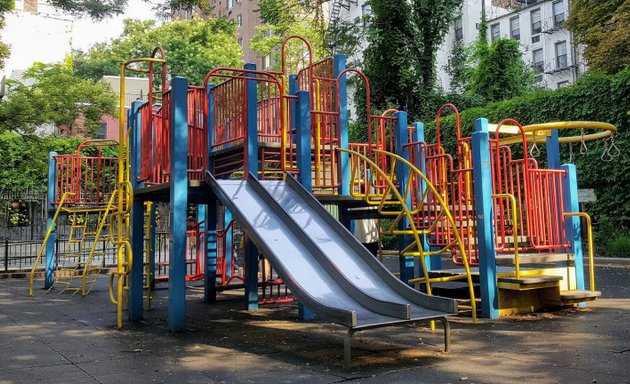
column 90, row 176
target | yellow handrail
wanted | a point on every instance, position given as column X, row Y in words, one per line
column 512, row 199
column 589, row 242
column 405, row 211
column 48, row 233
column 99, row 229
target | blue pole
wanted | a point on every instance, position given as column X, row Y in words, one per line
column 303, row 135
column 572, row 224
column 137, row 218
column 229, row 243
column 50, row 246
column 179, row 203
column 482, row 174
column 293, row 88
column 432, row 262
column 251, row 166
column 339, row 65
column 210, row 281
column 407, row 263
column 553, row 162
column 210, row 125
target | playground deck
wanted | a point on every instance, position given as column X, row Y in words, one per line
column 61, row 338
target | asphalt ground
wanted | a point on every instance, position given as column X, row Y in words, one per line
column 64, row 338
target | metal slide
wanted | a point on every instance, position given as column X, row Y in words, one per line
column 325, row 267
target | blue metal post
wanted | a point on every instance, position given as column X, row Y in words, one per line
column 210, row 282
column 179, row 204
column 137, row 218
column 303, row 135
column 303, row 141
column 433, row 262
column 293, row 88
column 401, row 136
column 251, row 166
column 210, row 125
column 482, row 174
column 50, row 246
column 553, row 150
column 339, row 65
column 572, row 224
column 229, row 243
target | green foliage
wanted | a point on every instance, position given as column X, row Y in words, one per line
column 5, row 50
column 604, row 27
column 25, row 160
column 57, row 96
column 403, row 38
column 283, row 18
column 456, row 67
column 193, row 48
column 596, row 97
column 500, row 73
column 96, row 9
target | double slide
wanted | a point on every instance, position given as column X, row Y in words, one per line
column 325, row 267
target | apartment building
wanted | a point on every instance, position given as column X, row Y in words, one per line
column 538, row 26
column 246, row 16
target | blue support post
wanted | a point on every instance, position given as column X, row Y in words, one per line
column 572, row 224
column 251, row 166
column 179, row 204
column 401, row 136
column 137, row 218
column 49, row 278
column 339, row 65
column 293, row 88
column 482, row 174
column 210, row 125
column 433, row 262
column 210, row 281
column 229, row 243
column 303, row 141
column 251, row 148
column 553, row 150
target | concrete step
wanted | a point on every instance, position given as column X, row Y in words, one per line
column 529, row 282
column 578, row 296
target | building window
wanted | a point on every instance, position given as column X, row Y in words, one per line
column 515, row 28
column 101, row 132
column 266, row 61
column 561, row 55
column 240, row 42
column 535, row 39
column 495, row 31
column 230, row 4
column 366, row 12
column 537, row 59
column 536, row 24
column 239, row 20
column 459, row 29
column 558, row 14
column 563, row 84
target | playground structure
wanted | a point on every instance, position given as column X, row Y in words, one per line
column 266, row 148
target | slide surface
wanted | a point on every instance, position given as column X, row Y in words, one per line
column 325, row 267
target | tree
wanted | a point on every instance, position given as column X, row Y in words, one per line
column 457, row 67
column 501, row 73
column 57, row 96
column 5, row 6
column 604, row 27
column 282, row 18
column 193, row 48
column 98, row 9
column 25, row 160
column 403, row 38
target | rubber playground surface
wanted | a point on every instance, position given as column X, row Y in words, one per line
column 60, row 338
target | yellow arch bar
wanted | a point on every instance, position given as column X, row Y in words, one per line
column 537, row 133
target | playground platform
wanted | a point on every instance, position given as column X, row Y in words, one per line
column 61, row 338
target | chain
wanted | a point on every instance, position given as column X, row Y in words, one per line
column 583, row 147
